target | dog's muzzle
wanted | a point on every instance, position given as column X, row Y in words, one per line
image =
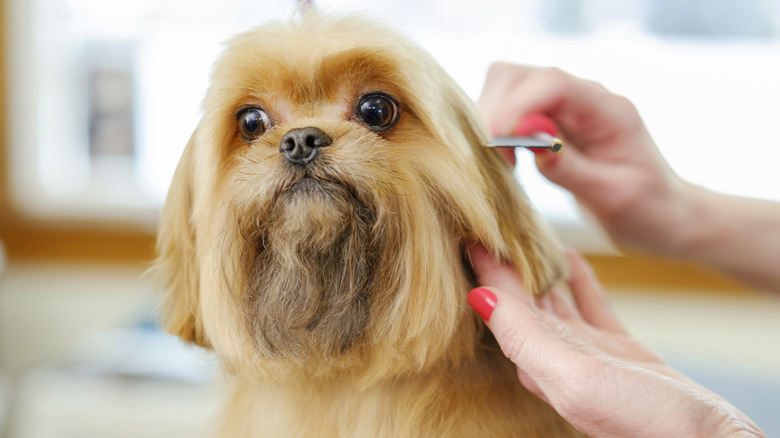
column 300, row 145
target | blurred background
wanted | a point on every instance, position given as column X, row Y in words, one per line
column 99, row 97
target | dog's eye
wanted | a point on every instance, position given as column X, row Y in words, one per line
column 378, row 111
column 252, row 123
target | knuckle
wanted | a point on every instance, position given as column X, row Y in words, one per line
column 496, row 71
column 502, row 75
column 624, row 110
column 512, row 341
column 623, row 104
column 553, row 80
column 554, row 72
column 499, row 68
column 555, row 75
column 598, row 85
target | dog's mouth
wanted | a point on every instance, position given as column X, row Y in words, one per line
column 314, row 183
column 307, row 183
column 311, row 263
column 319, row 190
column 308, row 186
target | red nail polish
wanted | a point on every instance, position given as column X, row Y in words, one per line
column 482, row 301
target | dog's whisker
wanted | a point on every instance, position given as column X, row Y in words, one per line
column 314, row 237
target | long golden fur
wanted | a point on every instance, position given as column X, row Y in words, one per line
column 334, row 291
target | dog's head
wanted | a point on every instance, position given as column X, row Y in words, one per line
column 319, row 215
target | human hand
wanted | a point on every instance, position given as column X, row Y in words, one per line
column 579, row 359
column 610, row 162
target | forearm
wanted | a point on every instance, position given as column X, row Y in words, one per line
column 615, row 170
column 736, row 236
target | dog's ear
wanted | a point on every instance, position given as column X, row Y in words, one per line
column 175, row 267
column 525, row 241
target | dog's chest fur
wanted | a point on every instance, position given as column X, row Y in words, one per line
column 480, row 399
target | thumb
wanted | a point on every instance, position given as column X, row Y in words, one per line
column 518, row 325
column 523, row 337
column 572, row 170
column 511, row 322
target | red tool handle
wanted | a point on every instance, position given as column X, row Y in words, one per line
column 535, row 123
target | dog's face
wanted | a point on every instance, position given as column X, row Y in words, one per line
column 318, row 218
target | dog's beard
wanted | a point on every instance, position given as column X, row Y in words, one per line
column 309, row 260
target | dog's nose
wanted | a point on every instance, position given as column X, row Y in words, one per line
column 300, row 145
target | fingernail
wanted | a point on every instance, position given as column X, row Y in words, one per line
column 482, row 301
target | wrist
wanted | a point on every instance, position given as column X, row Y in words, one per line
column 699, row 226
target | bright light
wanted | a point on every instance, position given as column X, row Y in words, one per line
column 709, row 103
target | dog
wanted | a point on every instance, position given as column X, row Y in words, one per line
column 315, row 236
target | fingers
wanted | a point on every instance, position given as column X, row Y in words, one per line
column 509, row 312
column 589, row 296
column 512, row 92
column 572, row 170
column 500, row 78
column 522, row 335
column 558, row 362
column 496, row 274
column 591, row 304
column 556, row 303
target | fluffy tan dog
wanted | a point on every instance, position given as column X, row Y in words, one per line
column 314, row 236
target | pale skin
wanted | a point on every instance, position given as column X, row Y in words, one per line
column 574, row 354
column 612, row 166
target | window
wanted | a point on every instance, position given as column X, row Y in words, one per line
column 104, row 94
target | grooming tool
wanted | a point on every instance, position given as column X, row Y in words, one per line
column 535, row 131
column 540, row 140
